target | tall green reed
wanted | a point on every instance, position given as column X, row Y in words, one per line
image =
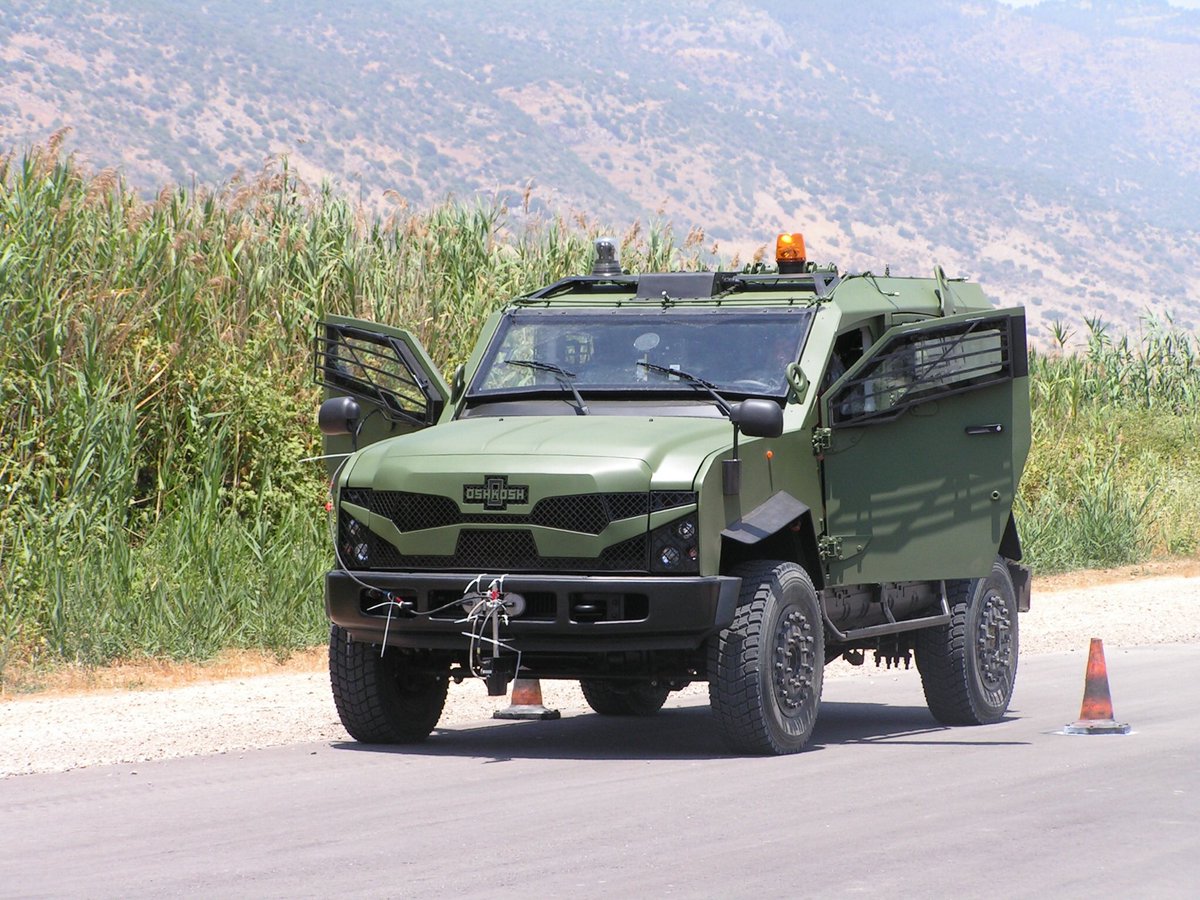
column 156, row 397
column 1112, row 476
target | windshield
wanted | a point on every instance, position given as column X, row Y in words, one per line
column 736, row 351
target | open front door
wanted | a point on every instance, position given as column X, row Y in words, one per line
column 388, row 374
column 928, row 435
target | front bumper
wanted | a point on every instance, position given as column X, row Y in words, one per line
column 566, row 613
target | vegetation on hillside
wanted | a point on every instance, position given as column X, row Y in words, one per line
column 156, row 403
column 1048, row 151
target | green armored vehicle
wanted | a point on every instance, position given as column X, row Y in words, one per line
column 641, row 481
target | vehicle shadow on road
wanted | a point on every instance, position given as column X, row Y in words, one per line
column 686, row 732
column 884, row 725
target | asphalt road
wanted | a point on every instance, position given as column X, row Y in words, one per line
column 885, row 801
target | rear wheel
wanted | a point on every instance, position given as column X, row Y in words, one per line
column 969, row 666
column 384, row 699
column 766, row 669
column 616, row 698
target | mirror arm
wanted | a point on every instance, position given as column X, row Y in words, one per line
column 731, row 469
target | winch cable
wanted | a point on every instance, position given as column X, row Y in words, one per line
column 489, row 608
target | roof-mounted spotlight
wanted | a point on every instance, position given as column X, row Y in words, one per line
column 606, row 262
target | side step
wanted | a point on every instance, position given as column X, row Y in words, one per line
column 891, row 627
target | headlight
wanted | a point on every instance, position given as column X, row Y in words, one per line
column 674, row 547
column 354, row 545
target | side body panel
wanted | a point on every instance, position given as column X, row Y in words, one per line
column 929, row 432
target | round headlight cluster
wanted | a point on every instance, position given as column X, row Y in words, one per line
column 356, row 547
column 675, row 546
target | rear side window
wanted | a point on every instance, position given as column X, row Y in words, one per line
column 927, row 364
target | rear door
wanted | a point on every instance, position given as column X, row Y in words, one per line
column 928, row 433
column 386, row 370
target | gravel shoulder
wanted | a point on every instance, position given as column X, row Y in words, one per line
column 253, row 704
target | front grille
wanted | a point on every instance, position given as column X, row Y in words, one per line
column 479, row 549
column 582, row 513
column 503, row 549
column 515, row 551
column 509, row 550
column 588, row 513
column 660, row 500
column 410, row 512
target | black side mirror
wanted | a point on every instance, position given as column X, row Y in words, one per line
column 754, row 418
column 758, row 418
column 339, row 415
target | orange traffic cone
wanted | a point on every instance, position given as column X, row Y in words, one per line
column 1096, row 715
column 526, row 702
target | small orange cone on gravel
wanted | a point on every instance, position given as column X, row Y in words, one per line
column 1096, row 714
column 526, row 702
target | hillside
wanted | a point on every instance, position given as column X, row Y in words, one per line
column 1051, row 151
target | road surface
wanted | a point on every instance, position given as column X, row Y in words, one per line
column 885, row 801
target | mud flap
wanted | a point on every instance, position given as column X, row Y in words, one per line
column 1022, row 580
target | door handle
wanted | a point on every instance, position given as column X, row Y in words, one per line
column 985, row 429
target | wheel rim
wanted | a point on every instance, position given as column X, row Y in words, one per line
column 994, row 644
column 794, row 663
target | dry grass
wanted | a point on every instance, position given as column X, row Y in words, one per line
column 1159, row 568
column 156, row 674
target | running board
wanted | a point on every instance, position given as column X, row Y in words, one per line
column 892, row 627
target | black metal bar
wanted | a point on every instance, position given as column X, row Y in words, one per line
column 855, row 634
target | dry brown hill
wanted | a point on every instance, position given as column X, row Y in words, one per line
column 1052, row 151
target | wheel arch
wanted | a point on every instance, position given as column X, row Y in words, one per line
column 781, row 528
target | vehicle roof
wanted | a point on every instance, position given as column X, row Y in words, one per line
column 856, row 295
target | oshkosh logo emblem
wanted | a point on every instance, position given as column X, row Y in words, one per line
column 495, row 492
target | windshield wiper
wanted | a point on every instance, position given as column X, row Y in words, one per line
column 694, row 380
column 565, row 379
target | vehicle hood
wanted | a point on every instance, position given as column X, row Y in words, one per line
column 593, row 452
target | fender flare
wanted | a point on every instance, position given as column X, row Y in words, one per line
column 783, row 523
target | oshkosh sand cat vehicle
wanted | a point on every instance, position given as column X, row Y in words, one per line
column 640, row 481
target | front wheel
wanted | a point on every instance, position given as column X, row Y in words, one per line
column 393, row 698
column 613, row 698
column 969, row 666
column 765, row 670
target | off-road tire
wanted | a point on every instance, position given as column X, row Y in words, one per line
column 969, row 666
column 382, row 699
column 623, row 698
column 765, row 671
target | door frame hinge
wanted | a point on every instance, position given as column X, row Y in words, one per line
column 822, row 440
column 829, row 547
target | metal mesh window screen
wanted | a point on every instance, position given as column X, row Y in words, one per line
column 374, row 367
column 922, row 366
